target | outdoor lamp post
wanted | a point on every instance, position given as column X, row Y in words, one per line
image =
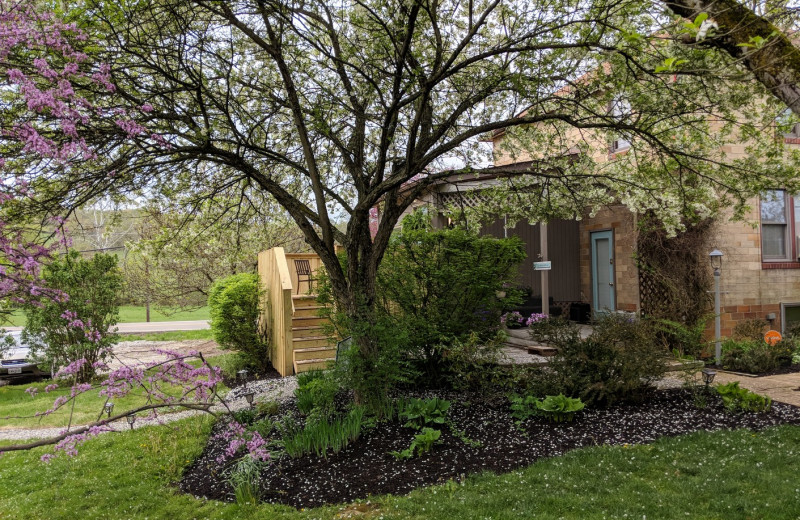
column 131, row 419
column 248, row 396
column 708, row 376
column 716, row 263
column 108, row 408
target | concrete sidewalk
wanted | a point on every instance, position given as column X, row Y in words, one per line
column 784, row 388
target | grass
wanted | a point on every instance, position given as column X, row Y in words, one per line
column 16, row 402
column 728, row 474
column 132, row 314
column 175, row 335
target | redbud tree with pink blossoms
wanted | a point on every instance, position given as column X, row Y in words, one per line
column 53, row 94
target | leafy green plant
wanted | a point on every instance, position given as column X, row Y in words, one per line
column 737, row 399
column 263, row 427
column 268, row 408
column 441, row 284
column 523, row 407
column 245, row 479
column 559, row 408
column 620, row 360
column 756, row 356
column 321, row 435
column 422, row 443
column 234, row 310
column 244, row 416
column 685, row 341
column 62, row 331
column 421, row 412
column 317, row 395
column 554, row 331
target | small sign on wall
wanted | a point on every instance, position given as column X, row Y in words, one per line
column 772, row 337
column 542, row 266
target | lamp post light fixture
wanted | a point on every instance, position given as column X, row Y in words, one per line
column 108, row 408
column 716, row 263
column 131, row 419
column 708, row 376
column 248, row 396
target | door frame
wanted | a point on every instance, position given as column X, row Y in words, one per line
column 593, row 237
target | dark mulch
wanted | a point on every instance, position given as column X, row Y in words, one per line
column 365, row 468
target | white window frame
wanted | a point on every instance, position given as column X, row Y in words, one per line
column 789, row 227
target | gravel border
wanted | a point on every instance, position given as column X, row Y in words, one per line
column 268, row 389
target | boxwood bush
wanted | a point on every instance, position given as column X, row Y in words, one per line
column 234, row 309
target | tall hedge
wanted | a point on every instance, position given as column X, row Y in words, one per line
column 233, row 303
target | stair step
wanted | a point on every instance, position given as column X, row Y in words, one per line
column 308, row 310
column 521, row 342
column 311, row 364
column 542, row 350
column 303, row 331
column 304, row 297
column 304, row 354
column 311, row 341
column 308, row 321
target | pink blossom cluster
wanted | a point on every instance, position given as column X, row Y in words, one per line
column 237, row 437
column 70, row 444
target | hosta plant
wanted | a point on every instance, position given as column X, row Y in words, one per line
column 737, row 399
column 559, row 408
column 422, row 443
column 421, row 412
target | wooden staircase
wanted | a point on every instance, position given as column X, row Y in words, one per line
column 311, row 348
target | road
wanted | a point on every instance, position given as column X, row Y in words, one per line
column 153, row 326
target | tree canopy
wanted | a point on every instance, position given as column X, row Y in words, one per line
column 332, row 109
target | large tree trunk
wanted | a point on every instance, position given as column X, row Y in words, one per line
column 776, row 64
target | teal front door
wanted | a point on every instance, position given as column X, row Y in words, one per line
column 603, row 293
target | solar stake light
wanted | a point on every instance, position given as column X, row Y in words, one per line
column 708, row 376
column 131, row 419
column 242, row 374
column 108, row 408
column 249, row 395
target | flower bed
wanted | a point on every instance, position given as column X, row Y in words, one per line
column 480, row 435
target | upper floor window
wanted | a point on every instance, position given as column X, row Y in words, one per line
column 779, row 227
column 787, row 124
column 620, row 108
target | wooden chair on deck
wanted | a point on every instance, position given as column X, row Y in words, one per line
column 303, row 268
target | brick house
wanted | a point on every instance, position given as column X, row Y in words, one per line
column 593, row 259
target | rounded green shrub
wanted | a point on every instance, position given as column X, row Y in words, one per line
column 233, row 304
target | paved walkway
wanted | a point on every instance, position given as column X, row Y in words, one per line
column 784, row 388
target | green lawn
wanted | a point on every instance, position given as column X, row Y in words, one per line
column 16, row 402
column 175, row 335
column 133, row 314
column 728, row 474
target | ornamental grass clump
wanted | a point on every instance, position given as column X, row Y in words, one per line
column 321, row 435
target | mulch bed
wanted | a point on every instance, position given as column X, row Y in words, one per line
column 791, row 369
column 365, row 468
column 235, row 382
